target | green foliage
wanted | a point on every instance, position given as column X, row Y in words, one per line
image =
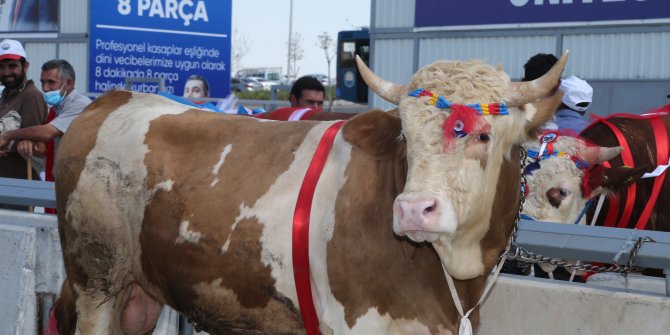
column 261, row 95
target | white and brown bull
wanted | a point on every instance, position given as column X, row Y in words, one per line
column 162, row 204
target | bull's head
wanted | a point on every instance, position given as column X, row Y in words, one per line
column 565, row 175
column 455, row 154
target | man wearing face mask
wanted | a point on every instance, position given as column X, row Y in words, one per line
column 66, row 103
column 21, row 98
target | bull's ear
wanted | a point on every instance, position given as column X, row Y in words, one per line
column 376, row 133
column 599, row 179
column 545, row 109
column 622, row 177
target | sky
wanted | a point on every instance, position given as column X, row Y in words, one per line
column 264, row 24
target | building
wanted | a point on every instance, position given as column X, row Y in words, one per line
column 112, row 44
column 621, row 47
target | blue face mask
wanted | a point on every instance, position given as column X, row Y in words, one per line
column 54, row 98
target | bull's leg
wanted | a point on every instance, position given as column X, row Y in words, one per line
column 95, row 313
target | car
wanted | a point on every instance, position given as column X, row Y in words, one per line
column 245, row 85
column 320, row 77
column 267, row 84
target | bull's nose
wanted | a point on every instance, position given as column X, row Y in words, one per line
column 417, row 214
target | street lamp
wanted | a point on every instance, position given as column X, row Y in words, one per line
column 290, row 36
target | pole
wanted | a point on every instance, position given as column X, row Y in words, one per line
column 290, row 37
column 29, row 172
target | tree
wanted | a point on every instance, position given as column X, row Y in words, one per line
column 325, row 42
column 296, row 53
column 239, row 48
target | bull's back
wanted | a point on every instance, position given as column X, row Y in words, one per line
column 641, row 143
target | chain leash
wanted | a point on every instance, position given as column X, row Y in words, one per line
column 513, row 251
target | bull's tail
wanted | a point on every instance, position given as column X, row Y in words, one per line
column 63, row 316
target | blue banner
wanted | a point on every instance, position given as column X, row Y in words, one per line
column 169, row 39
column 438, row 13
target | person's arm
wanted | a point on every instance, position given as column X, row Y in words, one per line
column 41, row 133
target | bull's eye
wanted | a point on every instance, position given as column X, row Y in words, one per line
column 564, row 193
column 484, row 137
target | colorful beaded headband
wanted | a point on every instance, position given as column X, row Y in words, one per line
column 499, row 108
column 547, row 150
column 582, row 165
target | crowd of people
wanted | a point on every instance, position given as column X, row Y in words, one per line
column 29, row 143
column 306, row 92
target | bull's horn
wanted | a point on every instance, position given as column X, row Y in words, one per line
column 597, row 155
column 521, row 93
column 389, row 91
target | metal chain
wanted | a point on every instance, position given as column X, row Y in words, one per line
column 511, row 244
column 513, row 251
column 636, row 248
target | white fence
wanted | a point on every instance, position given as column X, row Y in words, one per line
column 522, row 305
column 31, row 271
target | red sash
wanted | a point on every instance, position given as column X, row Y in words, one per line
column 289, row 114
column 661, row 140
column 301, row 215
column 51, row 146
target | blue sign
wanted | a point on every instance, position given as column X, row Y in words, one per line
column 169, row 39
column 438, row 13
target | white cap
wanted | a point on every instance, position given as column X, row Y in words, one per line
column 576, row 91
column 11, row 49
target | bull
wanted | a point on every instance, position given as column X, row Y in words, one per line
column 161, row 204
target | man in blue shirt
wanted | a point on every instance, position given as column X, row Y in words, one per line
column 577, row 97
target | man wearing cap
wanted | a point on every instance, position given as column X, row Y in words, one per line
column 58, row 78
column 577, row 97
column 20, row 95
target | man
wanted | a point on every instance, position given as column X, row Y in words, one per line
column 21, row 96
column 196, row 87
column 577, row 97
column 307, row 91
column 306, row 99
column 536, row 67
column 67, row 103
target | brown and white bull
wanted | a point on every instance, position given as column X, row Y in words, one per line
column 162, row 204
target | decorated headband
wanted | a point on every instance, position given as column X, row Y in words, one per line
column 581, row 164
column 499, row 108
column 547, row 151
column 464, row 118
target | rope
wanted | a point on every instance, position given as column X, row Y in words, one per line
column 465, row 326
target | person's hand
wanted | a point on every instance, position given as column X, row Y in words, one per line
column 4, row 145
column 25, row 148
